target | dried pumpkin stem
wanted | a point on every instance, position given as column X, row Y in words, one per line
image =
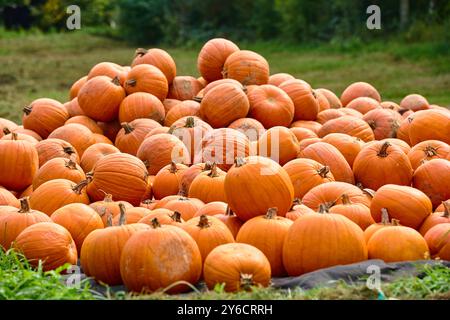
column 229, row 212
column 271, row 213
column 323, row 208
column 24, row 205
column 239, row 162
column 155, row 223
column 446, row 213
column 68, row 150
column 197, row 99
column 140, row 52
column 176, row 216
column 14, row 136
column 430, row 151
column 78, row 187
column 183, row 191
column 190, row 122
column 173, row 167
column 346, row 199
column 383, row 150
column 203, row 222
column 6, row 131
column 131, row 82
column 372, row 124
column 213, row 173
column 71, row 164
column 123, row 216
column 324, row 171
column 109, row 221
column 395, row 222
column 116, row 81
column 127, row 127
column 27, row 110
column 246, row 281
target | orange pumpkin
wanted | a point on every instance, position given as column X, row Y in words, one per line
column 167, row 180
column 76, row 134
column 8, row 199
column 158, row 58
column 359, row 89
column 184, row 88
column 169, row 104
column 433, row 179
column 141, row 105
column 383, row 122
column 329, row 114
column 333, row 100
column 364, row 105
column 164, row 216
column 350, row 125
column 55, row 148
column 187, row 207
column 110, row 129
column 278, row 78
column 212, row 208
column 87, row 122
column 99, row 138
column 107, row 207
column 306, row 105
column 76, row 86
column 189, row 175
column 430, row 125
column 414, row 102
column 247, row 67
column 132, row 134
column 427, row 150
column 44, row 115
column 436, row 218
column 252, row 128
column 311, row 125
column 94, row 153
column 180, row 110
column 357, row 212
column 73, row 108
column 130, row 215
column 58, row 168
column 109, row 69
column 231, row 220
column 6, row 124
column 147, row 78
column 403, row 130
column 323, row 101
column 438, row 240
column 348, row 146
column 208, row 186
column 278, row 143
column 298, row 209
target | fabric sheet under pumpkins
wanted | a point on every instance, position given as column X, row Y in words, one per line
column 355, row 273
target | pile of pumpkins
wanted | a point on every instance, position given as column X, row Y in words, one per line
column 152, row 180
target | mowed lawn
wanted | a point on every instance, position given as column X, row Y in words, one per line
column 35, row 66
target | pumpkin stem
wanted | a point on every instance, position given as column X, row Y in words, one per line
column 140, row 52
column 122, row 217
column 108, row 196
column 430, row 151
column 323, row 208
column 203, row 222
column 27, row 110
column 190, row 122
column 346, row 199
column 368, row 191
column 197, row 99
column 323, row 172
column 239, row 162
column 384, row 216
column 78, row 187
column 71, row 164
column 116, row 81
column 182, row 192
column 155, row 223
column 213, row 173
column 176, row 216
column 14, row 136
column 296, row 201
column 229, row 212
column 131, row 83
column 6, row 131
column 171, row 129
column 383, row 150
column 173, row 167
column 271, row 213
column 395, row 222
column 68, row 150
column 446, row 213
column 24, row 205
column 246, row 281
column 208, row 166
column 109, row 221
column 127, row 127
column 372, row 124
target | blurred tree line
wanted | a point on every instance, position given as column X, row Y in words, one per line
column 183, row 21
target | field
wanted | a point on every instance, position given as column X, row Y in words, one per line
column 34, row 66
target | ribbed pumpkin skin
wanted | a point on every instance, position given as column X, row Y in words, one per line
column 222, row 146
column 359, row 89
column 278, row 78
column 438, row 240
column 329, row 114
column 383, row 122
column 350, row 125
column 327, row 193
column 76, row 86
column 141, row 105
column 8, row 199
column 247, row 67
column 147, row 78
column 224, row 104
column 212, row 57
column 408, row 205
column 414, row 102
column 271, row 106
column 182, row 109
column 428, row 150
column 334, row 101
column 49, row 242
column 44, row 199
column 256, row 184
column 430, row 125
column 328, row 155
column 132, row 134
column 347, row 145
column 187, row 207
column 167, row 180
column 254, row 232
column 306, row 105
column 184, row 88
column 305, row 174
column 437, row 217
column 382, row 163
column 433, row 179
column 303, row 133
column 322, row 240
column 363, row 105
column 100, row 98
column 76, row 134
column 356, row 212
column 229, row 263
column 279, row 144
column 158, row 58
column 94, row 153
column 397, row 243
column 55, row 148
column 208, row 186
column 44, row 115
column 160, row 150
column 19, row 163
column 79, row 219
column 58, row 168
column 121, row 175
column 156, row 258
column 208, row 233
column 307, row 124
column 102, row 249
column 13, row 221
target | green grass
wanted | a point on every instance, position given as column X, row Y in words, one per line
column 45, row 65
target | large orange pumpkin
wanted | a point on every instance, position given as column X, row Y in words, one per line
column 278, row 143
column 147, row 78
column 382, row 163
column 212, row 57
column 430, row 125
column 133, row 133
column 306, row 104
column 19, row 163
column 317, row 241
column 55, row 148
column 44, row 115
column 94, row 153
column 330, row 156
column 158, row 58
column 408, row 205
column 271, row 106
column 255, row 184
column 141, row 105
column 305, row 174
column 13, row 221
column 350, row 125
column 47, row 242
column 121, row 175
column 159, row 257
column 427, row 150
column 58, row 168
column 383, row 122
column 237, row 265
column 359, row 89
column 254, row 232
column 247, row 67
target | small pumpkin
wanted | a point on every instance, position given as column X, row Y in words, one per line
column 278, row 143
column 76, row 86
column 130, row 215
column 383, row 122
column 231, row 220
column 167, row 180
column 132, row 134
column 58, row 168
column 347, row 145
column 307, row 124
column 73, row 108
column 87, row 122
column 147, row 78
column 94, row 153
column 329, row 114
column 333, row 100
column 436, row 218
column 357, row 212
column 189, row 175
column 141, row 105
column 363, row 105
column 298, row 209
column 208, row 186
column 212, row 208
column 247, row 67
column 278, row 78
column 110, row 129
column 438, row 240
column 8, row 199
column 76, row 134
column 158, row 58
column 427, row 150
column 55, row 148
column 431, row 124
column 350, row 125
column 252, row 128
column 306, row 104
column 108, row 207
column 414, row 102
column 359, row 89
column 182, row 109
column 303, row 133
column 187, row 207
column 109, row 69
column 184, row 88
